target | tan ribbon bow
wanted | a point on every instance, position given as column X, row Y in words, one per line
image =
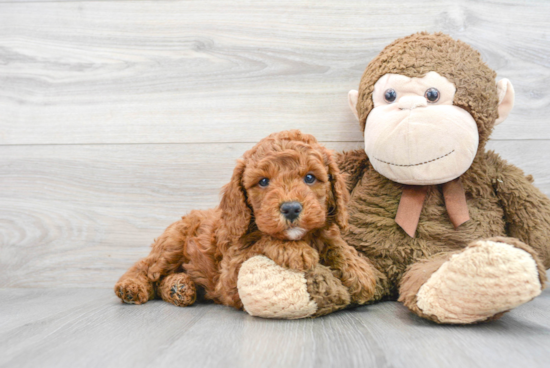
column 412, row 200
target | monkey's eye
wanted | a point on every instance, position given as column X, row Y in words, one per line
column 432, row 95
column 264, row 182
column 390, row 95
column 309, row 179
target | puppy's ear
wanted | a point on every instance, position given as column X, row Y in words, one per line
column 236, row 214
column 340, row 195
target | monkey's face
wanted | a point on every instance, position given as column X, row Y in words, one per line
column 415, row 135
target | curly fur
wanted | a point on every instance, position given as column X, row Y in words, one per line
column 207, row 248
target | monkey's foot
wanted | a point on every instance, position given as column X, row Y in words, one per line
column 132, row 291
column 271, row 291
column 178, row 289
column 487, row 279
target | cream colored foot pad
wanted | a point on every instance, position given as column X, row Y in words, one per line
column 486, row 279
column 270, row 291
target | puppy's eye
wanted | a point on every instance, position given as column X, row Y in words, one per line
column 264, row 182
column 310, row 179
column 432, row 95
column 390, row 95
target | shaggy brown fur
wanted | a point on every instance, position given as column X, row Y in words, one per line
column 326, row 291
column 501, row 200
column 207, row 248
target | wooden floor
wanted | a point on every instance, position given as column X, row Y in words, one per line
column 91, row 328
column 117, row 117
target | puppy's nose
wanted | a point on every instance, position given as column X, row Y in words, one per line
column 291, row 210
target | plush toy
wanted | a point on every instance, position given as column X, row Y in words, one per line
column 453, row 232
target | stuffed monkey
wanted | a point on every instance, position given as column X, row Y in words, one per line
column 455, row 233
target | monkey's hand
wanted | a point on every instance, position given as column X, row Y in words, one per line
column 268, row 290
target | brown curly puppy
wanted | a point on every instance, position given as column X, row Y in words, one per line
column 286, row 200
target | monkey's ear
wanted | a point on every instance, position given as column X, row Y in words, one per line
column 505, row 99
column 353, row 95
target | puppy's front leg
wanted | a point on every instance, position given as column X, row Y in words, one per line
column 137, row 285
column 355, row 271
column 295, row 255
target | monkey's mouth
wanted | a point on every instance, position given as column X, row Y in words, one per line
column 418, row 164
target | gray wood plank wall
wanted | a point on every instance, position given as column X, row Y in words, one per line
column 117, row 117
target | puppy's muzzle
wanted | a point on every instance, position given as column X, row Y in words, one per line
column 291, row 210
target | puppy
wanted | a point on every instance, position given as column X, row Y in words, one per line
column 286, row 201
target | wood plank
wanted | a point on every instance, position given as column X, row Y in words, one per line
column 21, row 307
column 412, row 341
column 81, row 215
column 105, row 333
column 103, row 327
column 207, row 71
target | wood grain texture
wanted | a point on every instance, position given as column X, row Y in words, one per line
column 74, row 215
column 90, row 327
column 80, row 215
column 117, row 117
column 213, row 71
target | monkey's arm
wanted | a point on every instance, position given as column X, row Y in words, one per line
column 353, row 164
column 526, row 208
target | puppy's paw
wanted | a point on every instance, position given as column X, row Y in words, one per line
column 178, row 289
column 132, row 291
column 303, row 258
column 296, row 256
